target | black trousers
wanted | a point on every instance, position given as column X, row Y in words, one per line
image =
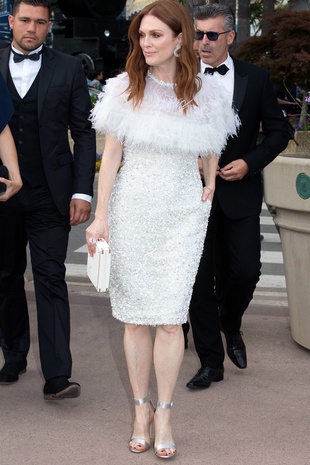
column 227, row 276
column 32, row 216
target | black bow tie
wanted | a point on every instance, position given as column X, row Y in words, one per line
column 18, row 57
column 221, row 69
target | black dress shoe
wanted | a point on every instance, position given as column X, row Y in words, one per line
column 204, row 377
column 10, row 372
column 61, row 388
column 236, row 349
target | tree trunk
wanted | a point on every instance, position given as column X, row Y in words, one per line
column 243, row 21
column 268, row 10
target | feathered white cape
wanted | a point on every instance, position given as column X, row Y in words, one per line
column 159, row 122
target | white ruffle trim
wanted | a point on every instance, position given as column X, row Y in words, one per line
column 159, row 121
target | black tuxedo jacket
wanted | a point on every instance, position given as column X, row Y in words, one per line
column 256, row 104
column 63, row 102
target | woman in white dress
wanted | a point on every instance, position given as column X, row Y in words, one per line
column 157, row 117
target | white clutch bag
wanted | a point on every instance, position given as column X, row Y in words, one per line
column 99, row 265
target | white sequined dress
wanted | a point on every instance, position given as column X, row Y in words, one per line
column 157, row 219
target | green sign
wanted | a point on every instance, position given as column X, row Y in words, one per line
column 303, row 186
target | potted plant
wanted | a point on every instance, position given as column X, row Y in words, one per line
column 285, row 51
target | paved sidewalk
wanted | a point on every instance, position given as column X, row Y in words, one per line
column 257, row 416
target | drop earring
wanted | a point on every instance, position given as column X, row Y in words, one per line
column 176, row 51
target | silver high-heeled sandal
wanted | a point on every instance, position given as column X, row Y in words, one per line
column 162, row 447
column 142, row 442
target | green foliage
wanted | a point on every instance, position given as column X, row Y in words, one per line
column 284, row 50
column 94, row 95
column 256, row 8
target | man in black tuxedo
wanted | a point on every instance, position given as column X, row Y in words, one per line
column 231, row 256
column 49, row 94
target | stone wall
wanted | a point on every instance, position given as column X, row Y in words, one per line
column 303, row 140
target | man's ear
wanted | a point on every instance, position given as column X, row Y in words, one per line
column 11, row 21
column 231, row 37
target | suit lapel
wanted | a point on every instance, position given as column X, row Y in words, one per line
column 240, row 85
column 46, row 74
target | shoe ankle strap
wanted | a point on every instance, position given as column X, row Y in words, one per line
column 164, row 404
column 142, row 401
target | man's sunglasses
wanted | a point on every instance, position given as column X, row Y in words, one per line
column 212, row 36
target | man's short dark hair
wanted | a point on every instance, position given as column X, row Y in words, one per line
column 216, row 10
column 44, row 3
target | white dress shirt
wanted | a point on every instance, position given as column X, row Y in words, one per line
column 227, row 80
column 25, row 72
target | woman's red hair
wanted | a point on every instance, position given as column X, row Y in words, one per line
column 177, row 17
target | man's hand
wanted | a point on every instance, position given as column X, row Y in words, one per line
column 79, row 211
column 12, row 187
column 234, row 171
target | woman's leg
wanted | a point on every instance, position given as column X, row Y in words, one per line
column 168, row 356
column 138, row 346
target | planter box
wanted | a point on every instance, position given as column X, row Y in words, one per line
column 287, row 190
column 303, row 140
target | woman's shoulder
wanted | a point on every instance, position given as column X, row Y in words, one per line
column 111, row 108
column 117, row 83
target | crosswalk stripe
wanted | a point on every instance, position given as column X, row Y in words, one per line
column 266, row 281
column 271, row 237
column 74, row 270
column 263, row 295
column 268, row 237
column 269, row 299
column 271, row 257
column 82, row 249
column 278, row 294
column 269, row 303
column 272, row 281
column 266, row 257
column 266, row 221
